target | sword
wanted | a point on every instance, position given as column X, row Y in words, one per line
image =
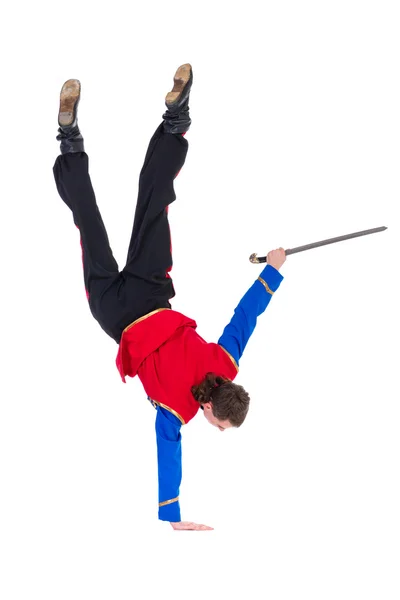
column 262, row 259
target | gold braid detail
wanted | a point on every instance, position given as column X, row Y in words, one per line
column 168, row 501
column 266, row 286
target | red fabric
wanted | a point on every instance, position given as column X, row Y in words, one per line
column 169, row 357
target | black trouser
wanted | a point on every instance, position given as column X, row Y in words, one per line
column 116, row 299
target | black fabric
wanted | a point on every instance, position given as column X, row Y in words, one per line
column 117, row 298
column 71, row 139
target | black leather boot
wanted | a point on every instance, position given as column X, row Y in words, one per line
column 176, row 118
column 69, row 135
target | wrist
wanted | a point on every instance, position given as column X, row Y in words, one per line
column 272, row 277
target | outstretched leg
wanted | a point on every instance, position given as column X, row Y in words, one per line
column 149, row 255
column 71, row 173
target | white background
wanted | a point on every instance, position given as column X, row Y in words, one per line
column 295, row 138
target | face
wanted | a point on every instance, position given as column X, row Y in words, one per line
column 209, row 415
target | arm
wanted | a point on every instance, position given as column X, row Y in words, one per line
column 237, row 333
column 169, row 454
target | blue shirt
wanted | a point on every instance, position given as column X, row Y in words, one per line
column 234, row 339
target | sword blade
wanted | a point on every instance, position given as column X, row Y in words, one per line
column 340, row 238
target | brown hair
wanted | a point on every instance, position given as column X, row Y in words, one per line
column 230, row 401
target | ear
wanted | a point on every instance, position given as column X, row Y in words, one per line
column 207, row 406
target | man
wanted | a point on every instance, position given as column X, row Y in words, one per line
column 180, row 371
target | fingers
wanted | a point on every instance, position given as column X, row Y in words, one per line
column 276, row 258
column 198, row 527
column 189, row 526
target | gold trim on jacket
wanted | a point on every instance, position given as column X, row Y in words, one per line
column 266, row 286
column 171, row 410
column 231, row 357
column 153, row 312
column 168, row 501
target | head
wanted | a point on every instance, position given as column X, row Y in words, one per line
column 225, row 403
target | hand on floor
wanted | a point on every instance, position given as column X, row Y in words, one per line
column 186, row 525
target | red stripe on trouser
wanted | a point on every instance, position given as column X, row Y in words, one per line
column 83, row 264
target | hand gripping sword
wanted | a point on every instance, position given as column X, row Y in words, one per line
column 262, row 259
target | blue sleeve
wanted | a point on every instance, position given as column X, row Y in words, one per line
column 169, row 454
column 237, row 333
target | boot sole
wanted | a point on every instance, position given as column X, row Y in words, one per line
column 69, row 98
column 181, row 78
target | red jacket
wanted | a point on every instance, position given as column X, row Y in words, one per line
column 169, row 357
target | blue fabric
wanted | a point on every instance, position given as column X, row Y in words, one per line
column 237, row 333
column 169, row 453
column 234, row 339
